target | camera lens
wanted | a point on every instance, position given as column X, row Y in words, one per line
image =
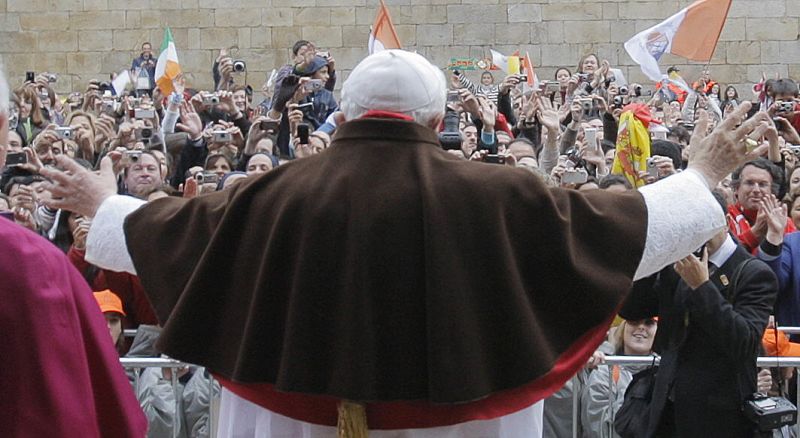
column 238, row 66
column 147, row 133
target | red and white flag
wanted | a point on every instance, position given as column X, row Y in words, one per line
column 692, row 33
column 383, row 35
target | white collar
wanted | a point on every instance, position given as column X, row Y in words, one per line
column 724, row 252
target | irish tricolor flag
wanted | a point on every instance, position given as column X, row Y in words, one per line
column 383, row 35
column 167, row 67
column 692, row 33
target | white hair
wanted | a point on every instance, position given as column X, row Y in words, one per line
column 387, row 88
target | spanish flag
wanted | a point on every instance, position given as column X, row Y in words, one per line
column 167, row 67
column 692, row 33
column 383, row 35
column 633, row 143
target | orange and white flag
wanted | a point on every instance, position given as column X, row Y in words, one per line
column 167, row 67
column 692, row 33
column 383, row 34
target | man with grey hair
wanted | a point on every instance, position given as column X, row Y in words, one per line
column 386, row 285
column 61, row 375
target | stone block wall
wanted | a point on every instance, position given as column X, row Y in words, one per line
column 84, row 39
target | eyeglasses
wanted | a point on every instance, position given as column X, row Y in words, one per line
column 760, row 184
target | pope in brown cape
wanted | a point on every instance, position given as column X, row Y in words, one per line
column 386, row 272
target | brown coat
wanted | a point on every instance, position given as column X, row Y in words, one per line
column 385, row 269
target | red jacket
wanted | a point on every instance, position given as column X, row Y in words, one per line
column 127, row 287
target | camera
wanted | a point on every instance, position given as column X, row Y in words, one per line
column 785, row 107
column 269, row 125
column 574, row 176
column 239, row 66
column 623, row 90
column 13, row 119
column 450, row 137
column 313, row 85
column 210, row 99
column 30, row 76
column 221, row 136
column 64, row 132
column 652, row 170
column 52, row 78
column 494, row 159
column 16, row 159
column 140, row 113
column 207, row 178
column 305, row 106
column 586, row 104
column 637, row 90
column 132, row 157
column 618, row 101
column 453, row 96
column 523, row 78
column 770, row 413
column 583, row 77
column 795, row 149
column 143, row 133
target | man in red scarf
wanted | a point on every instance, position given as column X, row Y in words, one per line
column 752, row 182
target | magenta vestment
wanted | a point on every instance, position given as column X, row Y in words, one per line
column 60, row 375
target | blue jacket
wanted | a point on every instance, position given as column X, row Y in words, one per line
column 787, row 306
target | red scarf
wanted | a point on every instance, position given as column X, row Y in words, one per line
column 739, row 222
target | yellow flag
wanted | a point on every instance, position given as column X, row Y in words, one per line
column 513, row 65
column 633, row 148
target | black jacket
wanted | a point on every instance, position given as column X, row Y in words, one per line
column 708, row 345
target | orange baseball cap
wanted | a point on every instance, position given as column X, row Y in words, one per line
column 109, row 302
column 784, row 347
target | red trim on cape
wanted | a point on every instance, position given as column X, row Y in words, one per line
column 378, row 114
column 322, row 409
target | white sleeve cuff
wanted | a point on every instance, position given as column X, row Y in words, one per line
column 682, row 215
column 105, row 244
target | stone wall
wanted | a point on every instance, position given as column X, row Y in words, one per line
column 83, row 39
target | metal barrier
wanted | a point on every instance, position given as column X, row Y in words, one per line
column 762, row 362
column 136, row 364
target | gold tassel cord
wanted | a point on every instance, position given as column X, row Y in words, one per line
column 352, row 422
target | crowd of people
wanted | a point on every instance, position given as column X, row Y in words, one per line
column 565, row 130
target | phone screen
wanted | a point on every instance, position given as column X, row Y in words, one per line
column 302, row 133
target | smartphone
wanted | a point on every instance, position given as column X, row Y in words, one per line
column 16, row 159
column 590, row 134
column 313, row 85
column 302, row 133
column 30, row 76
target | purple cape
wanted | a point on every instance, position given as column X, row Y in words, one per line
column 61, row 375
